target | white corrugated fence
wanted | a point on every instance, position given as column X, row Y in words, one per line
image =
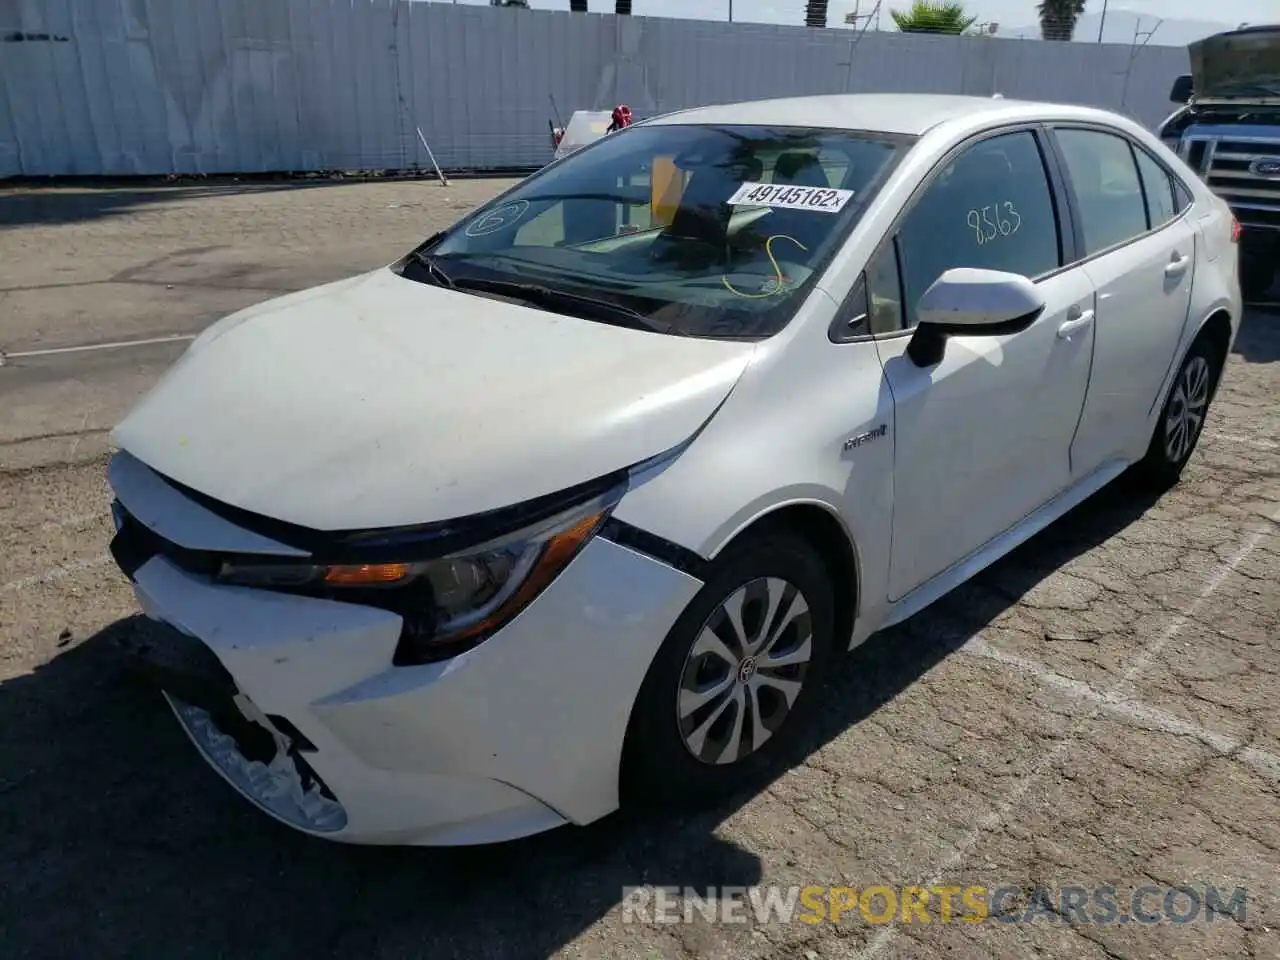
column 124, row 87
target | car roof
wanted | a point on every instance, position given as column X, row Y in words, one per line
column 910, row 114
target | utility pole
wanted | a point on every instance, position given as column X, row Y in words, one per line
column 1103, row 22
column 856, row 35
column 1134, row 49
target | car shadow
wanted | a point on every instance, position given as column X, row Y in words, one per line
column 28, row 201
column 117, row 840
column 1259, row 338
column 58, row 203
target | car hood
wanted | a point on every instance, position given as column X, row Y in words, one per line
column 379, row 401
column 1241, row 65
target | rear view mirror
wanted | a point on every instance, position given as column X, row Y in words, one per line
column 970, row 302
column 1181, row 91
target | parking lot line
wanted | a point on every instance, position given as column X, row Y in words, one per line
column 995, row 817
column 56, row 573
column 1143, row 715
column 1247, row 441
column 84, row 348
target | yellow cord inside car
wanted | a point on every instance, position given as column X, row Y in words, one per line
column 768, row 249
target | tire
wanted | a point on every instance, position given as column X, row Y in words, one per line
column 659, row 761
column 1182, row 416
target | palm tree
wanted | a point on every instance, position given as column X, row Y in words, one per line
column 815, row 13
column 578, row 6
column 932, row 16
column 622, row 7
column 1058, row 18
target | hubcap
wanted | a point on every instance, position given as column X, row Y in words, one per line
column 1186, row 409
column 745, row 670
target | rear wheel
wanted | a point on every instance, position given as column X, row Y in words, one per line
column 1182, row 418
column 736, row 678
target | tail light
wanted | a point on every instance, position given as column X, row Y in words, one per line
column 1235, row 230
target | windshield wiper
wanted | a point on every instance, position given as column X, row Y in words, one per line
column 558, row 301
column 432, row 266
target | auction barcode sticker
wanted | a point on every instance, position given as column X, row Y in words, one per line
column 788, row 197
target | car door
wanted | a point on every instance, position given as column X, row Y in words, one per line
column 1139, row 252
column 982, row 438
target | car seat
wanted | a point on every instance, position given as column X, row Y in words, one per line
column 700, row 225
column 799, row 169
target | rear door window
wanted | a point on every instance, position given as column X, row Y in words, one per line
column 1157, row 185
column 1108, row 191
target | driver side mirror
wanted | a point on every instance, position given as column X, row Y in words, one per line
column 1181, row 91
column 975, row 303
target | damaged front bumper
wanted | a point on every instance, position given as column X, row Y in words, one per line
column 259, row 755
column 285, row 786
column 297, row 703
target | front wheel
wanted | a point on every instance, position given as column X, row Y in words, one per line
column 734, row 681
column 1182, row 419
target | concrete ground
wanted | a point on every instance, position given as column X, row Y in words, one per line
column 1100, row 708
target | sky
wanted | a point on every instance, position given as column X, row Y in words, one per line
column 1009, row 14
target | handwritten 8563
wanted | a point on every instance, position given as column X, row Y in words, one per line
column 991, row 223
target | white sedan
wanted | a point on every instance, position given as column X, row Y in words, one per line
column 583, row 496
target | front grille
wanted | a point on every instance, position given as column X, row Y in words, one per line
column 1228, row 166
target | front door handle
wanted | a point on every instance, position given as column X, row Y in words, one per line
column 1177, row 266
column 1078, row 321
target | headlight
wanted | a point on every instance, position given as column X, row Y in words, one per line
column 452, row 602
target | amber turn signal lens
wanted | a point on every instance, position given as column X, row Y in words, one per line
column 366, row 574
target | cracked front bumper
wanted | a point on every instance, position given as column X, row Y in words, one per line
column 280, row 786
column 521, row 734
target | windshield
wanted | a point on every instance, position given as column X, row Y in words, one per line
column 702, row 231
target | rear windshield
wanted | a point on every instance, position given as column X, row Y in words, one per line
column 704, row 231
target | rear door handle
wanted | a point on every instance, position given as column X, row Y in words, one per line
column 1079, row 320
column 1177, row 266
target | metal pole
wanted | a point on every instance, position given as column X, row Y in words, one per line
column 432, row 156
column 1103, row 22
column 731, row 11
